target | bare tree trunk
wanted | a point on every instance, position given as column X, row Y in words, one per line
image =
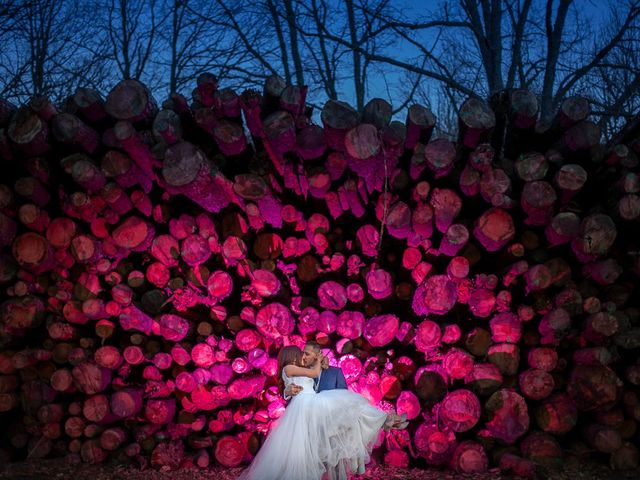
column 175, row 30
column 487, row 30
column 519, row 21
column 293, row 36
column 357, row 56
column 42, row 15
column 279, row 34
column 126, row 61
column 195, row 40
column 554, row 41
column 329, row 77
column 131, row 43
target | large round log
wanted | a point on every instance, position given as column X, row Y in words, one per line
column 594, row 387
column 557, row 414
column 187, row 171
column 435, row 446
column 508, row 416
column 460, row 410
column 130, row 100
column 69, row 129
column 337, row 118
column 494, row 229
column 420, row 123
column 470, row 457
column 33, row 252
column 29, row 132
column 476, row 121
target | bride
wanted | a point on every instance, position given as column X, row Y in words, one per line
column 331, row 431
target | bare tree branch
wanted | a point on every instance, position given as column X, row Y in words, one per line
column 579, row 73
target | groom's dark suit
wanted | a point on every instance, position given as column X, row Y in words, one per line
column 330, row 379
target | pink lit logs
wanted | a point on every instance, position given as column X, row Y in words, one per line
column 155, row 261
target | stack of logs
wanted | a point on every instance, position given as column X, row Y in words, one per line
column 155, row 258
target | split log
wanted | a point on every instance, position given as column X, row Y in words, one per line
column 84, row 172
column 126, row 403
column 542, row 449
column 32, row 189
column 124, row 171
column 519, row 466
column 625, row 458
column 536, row 384
column 602, row 438
column 96, row 409
column 310, row 143
column 279, row 129
column 594, row 387
column 538, row 199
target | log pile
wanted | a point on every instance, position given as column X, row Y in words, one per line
column 155, row 257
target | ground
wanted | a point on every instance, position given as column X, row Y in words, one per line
column 57, row 469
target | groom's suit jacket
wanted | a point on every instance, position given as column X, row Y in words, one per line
column 330, row 379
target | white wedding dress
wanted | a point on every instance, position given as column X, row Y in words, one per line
column 332, row 431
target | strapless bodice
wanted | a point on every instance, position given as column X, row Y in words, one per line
column 305, row 382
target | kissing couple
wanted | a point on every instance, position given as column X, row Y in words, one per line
column 325, row 429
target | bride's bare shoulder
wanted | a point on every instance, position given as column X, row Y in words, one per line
column 289, row 370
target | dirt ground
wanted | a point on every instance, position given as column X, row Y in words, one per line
column 57, row 469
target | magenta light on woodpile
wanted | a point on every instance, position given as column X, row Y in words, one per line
column 155, row 261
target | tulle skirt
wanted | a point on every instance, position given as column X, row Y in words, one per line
column 332, row 431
